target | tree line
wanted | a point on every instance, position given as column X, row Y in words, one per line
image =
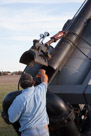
column 4, row 73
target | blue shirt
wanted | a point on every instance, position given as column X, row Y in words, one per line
column 30, row 107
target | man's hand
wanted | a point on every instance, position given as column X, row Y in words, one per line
column 44, row 77
column 42, row 72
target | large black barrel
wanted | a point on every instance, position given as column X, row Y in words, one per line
column 78, row 66
column 8, row 99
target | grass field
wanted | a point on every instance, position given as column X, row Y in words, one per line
column 7, row 84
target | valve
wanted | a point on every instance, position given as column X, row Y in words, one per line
column 43, row 36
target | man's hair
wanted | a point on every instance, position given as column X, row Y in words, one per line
column 26, row 80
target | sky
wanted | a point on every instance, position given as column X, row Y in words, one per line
column 22, row 21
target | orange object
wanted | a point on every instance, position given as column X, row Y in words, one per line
column 39, row 76
column 46, row 127
column 46, row 76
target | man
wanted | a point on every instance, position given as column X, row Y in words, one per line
column 30, row 107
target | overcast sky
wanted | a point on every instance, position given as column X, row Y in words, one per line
column 21, row 21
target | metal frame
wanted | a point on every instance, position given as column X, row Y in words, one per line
column 74, row 94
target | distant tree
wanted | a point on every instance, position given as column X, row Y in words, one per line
column 5, row 73
column 17, row 73
column 1, row 73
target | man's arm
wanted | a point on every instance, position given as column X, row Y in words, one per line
column 41, row 89
column 44, row 77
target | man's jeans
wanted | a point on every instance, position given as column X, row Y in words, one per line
column 37, row 131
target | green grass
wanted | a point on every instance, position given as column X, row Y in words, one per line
column 5, row 129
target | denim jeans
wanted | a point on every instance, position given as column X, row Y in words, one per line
column 37, row 131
